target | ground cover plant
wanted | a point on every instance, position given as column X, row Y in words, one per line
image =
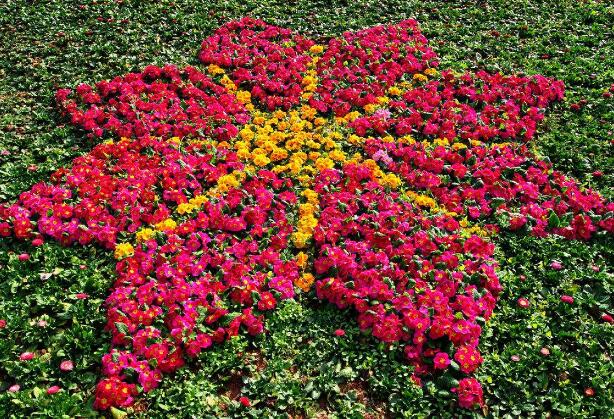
column 284, row 168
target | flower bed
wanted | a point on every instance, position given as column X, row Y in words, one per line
column 357, row 166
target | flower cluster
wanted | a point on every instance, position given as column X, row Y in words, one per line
column 479, row 106
column 359, row 67
column 159, row 101
column 356, row 166
column 411, row 276
column 113, row 189
column 268, row 61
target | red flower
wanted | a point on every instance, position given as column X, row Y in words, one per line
column 339, row 332
column 245, row 401
column 567, row 299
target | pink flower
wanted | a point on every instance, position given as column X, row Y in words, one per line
column 26, row 356
column 53, row 390
column 2, row 323
column 544, row 351
column 66, row 365
column 469, row 393
column 14, row 388
column 523, row 302
column 556, row 265
column 589, row 392
column 82, row 296
column 568, row 299
column 607, row 318
column 23, row 257
column 339, row 332
column 515, row 358
column 441, row 361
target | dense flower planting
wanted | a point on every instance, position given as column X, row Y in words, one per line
column 356, row 170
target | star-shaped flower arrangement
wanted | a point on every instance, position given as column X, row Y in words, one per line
column 356, row 168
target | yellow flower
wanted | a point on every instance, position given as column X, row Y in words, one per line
column 261, row 160
column 323, row 163
column 123, row 250
column 293, row 144
column 318, row 122
column 354, row 139
column 198, row 200
column 300, row 239
column 144, row 234
column 394, row 91
column 301, row 259
column 227, row 182
column 441, row 141
column 392, row 180
column 312, row 196
column 185, row 208
column 244, row 96
column 305, row 281
column 370, row 108
column 430, row 72
column 166, row 225
column 305, row 209
column 316, row 49
column 308, row 80
column 279, row 154
column 214, row 69
column 279, row 114
column 307, row 112
column 337, row 155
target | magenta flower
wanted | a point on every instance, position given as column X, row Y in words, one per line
column 53, row 389
column 441, row 361
column 26, row 356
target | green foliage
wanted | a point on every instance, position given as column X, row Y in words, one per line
column 300, row 367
